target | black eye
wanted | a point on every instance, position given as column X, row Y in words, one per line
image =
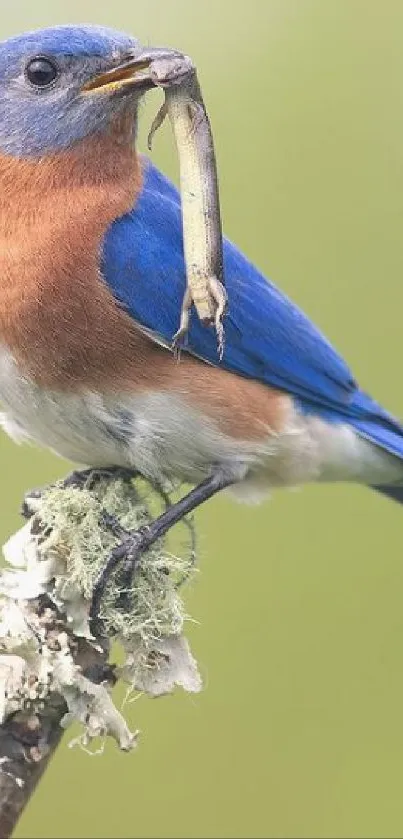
column 41, row 71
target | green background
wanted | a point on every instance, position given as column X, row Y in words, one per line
column 299, row 731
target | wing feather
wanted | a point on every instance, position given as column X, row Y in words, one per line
column 267, row 337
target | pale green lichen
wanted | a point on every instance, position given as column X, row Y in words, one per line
column 58, row 554
column 74, row 530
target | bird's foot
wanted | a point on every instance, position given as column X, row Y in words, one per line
column 128, row 553
column 125, row 557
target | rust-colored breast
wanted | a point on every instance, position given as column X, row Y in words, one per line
column 58, row 317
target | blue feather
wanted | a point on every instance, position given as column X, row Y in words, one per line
column 100, row 41
column 267, row 337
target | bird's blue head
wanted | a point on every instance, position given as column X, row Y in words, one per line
column 62, row 84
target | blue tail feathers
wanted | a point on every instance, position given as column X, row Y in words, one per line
column 373, row 423
column 377, row 425
column 394, row 492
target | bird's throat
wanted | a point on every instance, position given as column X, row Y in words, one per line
column 55, row 311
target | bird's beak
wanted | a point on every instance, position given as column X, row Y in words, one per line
column 134, row 74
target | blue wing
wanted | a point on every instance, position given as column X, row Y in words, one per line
column 266, row 336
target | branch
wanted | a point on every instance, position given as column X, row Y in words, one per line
column 27, row 741
column 52, row 670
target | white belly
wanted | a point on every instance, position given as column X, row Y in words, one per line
column 156, row 433
column 160, row 435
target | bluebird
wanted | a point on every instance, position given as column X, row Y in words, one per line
column 92, row 278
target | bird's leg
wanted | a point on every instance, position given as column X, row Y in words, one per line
column 129, row 551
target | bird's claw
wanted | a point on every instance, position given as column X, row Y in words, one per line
column 112, row 523
column 129, row 567
column 125, row 557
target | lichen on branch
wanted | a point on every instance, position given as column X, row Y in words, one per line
column 46, row 646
